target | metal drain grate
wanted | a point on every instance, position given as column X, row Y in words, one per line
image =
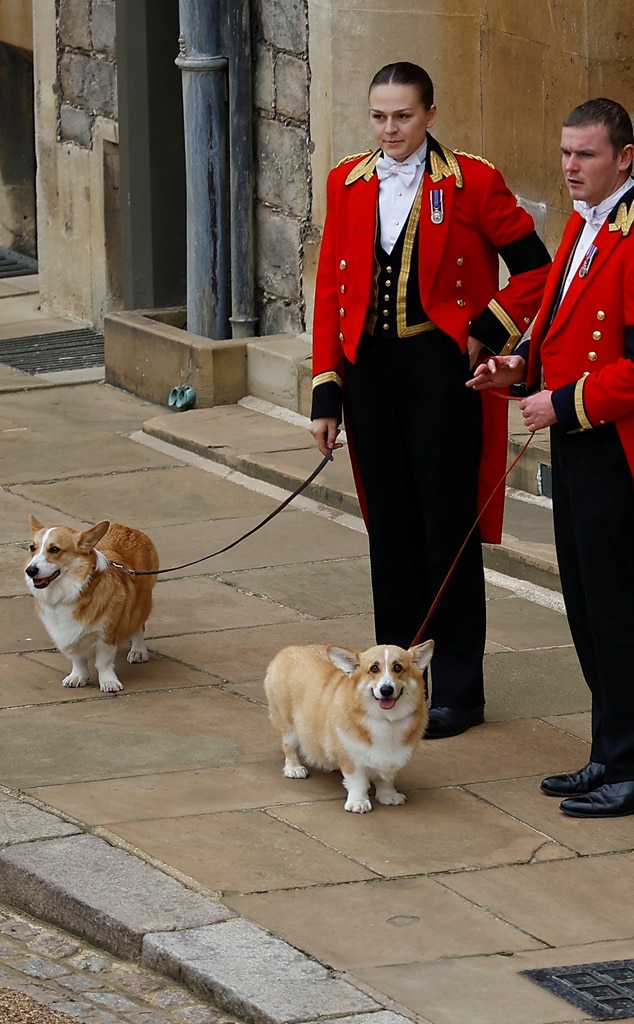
column 605, row 991
column 14, row 264
column 49, row 353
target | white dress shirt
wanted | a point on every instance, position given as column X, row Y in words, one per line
column 398, row 185
column 595, row 217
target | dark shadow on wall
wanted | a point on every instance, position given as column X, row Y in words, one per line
column 18, row 228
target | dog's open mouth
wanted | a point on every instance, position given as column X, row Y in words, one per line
column 43, row 581
column 386, row 703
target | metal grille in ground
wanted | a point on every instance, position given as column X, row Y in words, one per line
column 49, row 353
column 605, row 991
column 14, row 264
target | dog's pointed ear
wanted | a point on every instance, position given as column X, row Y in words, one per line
column 345, row 659
column 421, row 655
column 35, row 525
column 92, row 536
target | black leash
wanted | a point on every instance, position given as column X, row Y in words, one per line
column 156, row 572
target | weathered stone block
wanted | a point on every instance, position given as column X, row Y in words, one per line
column 103, row 27
column 284, row 24
column 278, row 254
column 75, row 125
column 291, row 87
column 282, row 159
column 273, row 368
column 89, row 83
column 74, row 24
column 278, row 317
column 263, row 79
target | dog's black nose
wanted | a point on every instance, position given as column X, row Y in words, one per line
column 387, row 690
column 32, row 570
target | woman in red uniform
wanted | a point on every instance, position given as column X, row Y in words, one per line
column 407, row 297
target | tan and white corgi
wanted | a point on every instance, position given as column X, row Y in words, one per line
column 87, row 605
column 361, row 713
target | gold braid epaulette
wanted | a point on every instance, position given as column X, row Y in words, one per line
column 623, row 220
column 365, row 167
column 474, row 156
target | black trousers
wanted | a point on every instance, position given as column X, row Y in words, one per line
column 593, row 509
column 416, row 432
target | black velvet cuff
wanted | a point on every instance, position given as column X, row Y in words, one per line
column 487, row 328
column 327, row 401
column 564, row 405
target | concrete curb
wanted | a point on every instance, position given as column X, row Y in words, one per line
column 77, row 881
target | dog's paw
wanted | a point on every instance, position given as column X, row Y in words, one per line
column 110, row 684
column 390, row 796
column 136, row 657
column 358, row 806
column 74, row 679
column 295, row 771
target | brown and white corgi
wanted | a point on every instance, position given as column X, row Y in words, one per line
column 361, row 713
column 87, row 605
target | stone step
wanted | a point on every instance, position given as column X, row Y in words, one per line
column 269, row 443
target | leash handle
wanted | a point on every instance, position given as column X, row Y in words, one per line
column 453, row 565
column 157, row 572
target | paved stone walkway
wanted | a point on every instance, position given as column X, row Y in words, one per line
column 50, row 977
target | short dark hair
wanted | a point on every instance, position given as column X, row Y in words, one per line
column 609, row 113
column 402, row 72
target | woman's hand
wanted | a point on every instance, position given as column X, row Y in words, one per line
column 325, row 431
column 498, row 372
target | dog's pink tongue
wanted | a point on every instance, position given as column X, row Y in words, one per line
column 387, row 704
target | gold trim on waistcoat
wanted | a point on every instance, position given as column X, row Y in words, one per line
column 402, row 328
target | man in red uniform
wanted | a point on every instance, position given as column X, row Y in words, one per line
column 583, row 344
column 407, row 295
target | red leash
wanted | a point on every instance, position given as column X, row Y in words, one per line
column 467, row 538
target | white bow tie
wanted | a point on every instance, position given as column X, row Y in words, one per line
column 591, row 215
column 405, row 171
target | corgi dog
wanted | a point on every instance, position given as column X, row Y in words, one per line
column 87, row 605
column 361, row 713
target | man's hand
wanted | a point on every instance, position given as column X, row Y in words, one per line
column 325, row 431
column 498, row 372
column 474, row 348
column 538, row 411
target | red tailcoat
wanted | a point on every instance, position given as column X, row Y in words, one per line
column 587, row 352
column 458, row 278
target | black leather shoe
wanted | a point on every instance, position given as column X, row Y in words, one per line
column 613, row 800
column 452, row 721
column 589, row 777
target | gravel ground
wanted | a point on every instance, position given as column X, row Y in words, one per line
column 18, row 1008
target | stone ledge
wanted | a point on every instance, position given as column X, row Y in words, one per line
column 148, row 354
column 280, row 984
column 84, row 885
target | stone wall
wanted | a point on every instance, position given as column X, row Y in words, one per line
column 77, row 158
column 283, row 179
column 87, row 68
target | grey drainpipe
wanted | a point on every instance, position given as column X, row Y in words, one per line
column 239, row 50
column 206, row 163
column 219, row 166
